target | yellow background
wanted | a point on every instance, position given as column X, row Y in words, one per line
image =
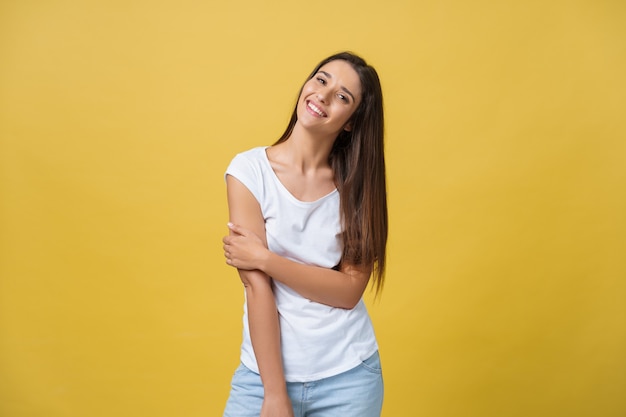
column 506, row 147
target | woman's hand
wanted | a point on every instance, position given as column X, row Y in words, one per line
column 243, row 249
column 276, row 407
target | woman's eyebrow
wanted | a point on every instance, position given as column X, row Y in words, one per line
column 342, row 87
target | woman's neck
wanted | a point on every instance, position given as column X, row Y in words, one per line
column 305, row 150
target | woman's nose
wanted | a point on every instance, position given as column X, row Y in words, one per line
column 321, row 96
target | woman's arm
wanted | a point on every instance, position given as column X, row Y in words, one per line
column 343, row 289
column 262, row 313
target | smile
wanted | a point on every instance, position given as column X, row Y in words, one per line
column 316, row 110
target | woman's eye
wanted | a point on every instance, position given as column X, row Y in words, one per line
column 342, row 97
column 321, row 80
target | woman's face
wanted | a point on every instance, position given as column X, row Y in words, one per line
column 329, row 99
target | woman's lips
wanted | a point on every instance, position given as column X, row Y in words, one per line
column 315, row 109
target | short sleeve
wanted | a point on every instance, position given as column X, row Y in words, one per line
column 248, row 172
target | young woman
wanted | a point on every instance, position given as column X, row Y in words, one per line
column 308, row 228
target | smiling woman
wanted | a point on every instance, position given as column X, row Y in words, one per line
column 308, row 222
column 326, row 96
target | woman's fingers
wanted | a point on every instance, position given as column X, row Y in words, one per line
column 225, row 247
column 238, row 229
column 239, row 247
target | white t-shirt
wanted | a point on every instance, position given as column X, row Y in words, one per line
column 317, row 341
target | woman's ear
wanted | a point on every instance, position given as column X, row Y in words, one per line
column 348, row 127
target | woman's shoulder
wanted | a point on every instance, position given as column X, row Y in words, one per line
column 254, row 153
column 251, row 161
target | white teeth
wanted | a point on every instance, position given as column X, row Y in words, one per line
column 316, row 109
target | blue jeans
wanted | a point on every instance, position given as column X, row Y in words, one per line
column 354, row 393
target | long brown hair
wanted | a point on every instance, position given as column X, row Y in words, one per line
column 358, row 162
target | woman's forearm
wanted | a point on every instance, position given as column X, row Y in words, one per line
column 342, row 289
column 264, row 331
column 245, row 250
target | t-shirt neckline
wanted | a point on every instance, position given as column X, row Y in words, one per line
column 282, row 186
